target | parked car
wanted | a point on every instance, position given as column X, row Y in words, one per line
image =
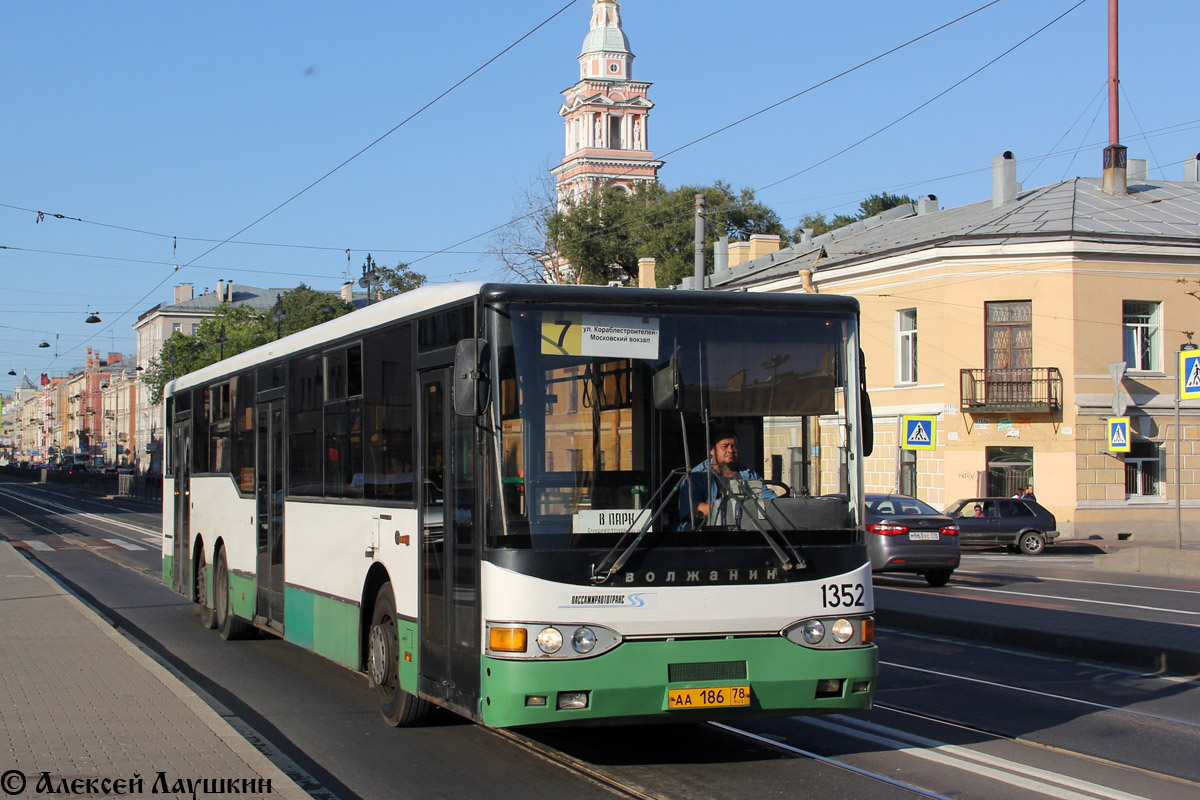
column 1022, row 525
column 905, row 534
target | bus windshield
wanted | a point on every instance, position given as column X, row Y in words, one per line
column 604, row 414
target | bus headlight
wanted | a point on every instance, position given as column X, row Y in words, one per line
column 550, row 640
column 835, row 632
column 584, row 641
column 507, row 640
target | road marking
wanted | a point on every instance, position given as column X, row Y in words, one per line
column 1048, row 695
column 1081, row 600
column 35, row 545
column 1088, row 583
column 1001, row 769
column 124, row 544
column 53, row 508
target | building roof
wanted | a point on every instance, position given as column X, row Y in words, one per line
column 255, row 297
column 605, row 35
column 1164, row 212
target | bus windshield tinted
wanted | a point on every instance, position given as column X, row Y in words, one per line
column 606, row 414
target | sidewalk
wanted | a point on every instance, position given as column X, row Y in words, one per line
column 85, row 712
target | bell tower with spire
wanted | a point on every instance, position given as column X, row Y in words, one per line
column 606, row 115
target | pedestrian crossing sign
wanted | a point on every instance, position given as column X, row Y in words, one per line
column 1118, row 434
column 1189, row 374
column 919, row 432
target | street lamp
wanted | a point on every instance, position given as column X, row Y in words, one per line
column 92, row 318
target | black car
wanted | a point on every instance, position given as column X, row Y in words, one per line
column 1022, row 525
column 905, row 534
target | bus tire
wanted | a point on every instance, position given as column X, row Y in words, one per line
column 208, row 617
column 397, row 707
column 229, row 625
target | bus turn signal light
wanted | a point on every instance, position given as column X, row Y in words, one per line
column 507, row 640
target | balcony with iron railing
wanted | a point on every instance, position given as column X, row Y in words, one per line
column 1032, row 389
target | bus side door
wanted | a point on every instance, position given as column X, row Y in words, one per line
column 449, row 610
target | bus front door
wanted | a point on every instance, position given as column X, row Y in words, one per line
column 270, row 514
column 181, row 463
column 449, row 612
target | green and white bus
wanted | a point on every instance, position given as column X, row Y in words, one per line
column 470, row 493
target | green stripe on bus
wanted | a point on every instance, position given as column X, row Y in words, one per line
column 629, row 683
column 243, row 593
column 168, row 570
column 322, row 624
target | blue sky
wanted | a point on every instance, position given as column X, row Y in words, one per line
column 149, row 121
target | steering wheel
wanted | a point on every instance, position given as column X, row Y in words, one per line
column 783, row 489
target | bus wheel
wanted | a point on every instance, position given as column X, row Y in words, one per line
column 398, row 707
column 229, row 625
column 207, row 617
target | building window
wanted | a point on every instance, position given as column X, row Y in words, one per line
column 1143, row 470
column 1141, row 334
column 906, row 345
column 195, row 328
column 175, row 327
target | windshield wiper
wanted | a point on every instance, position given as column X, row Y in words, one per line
column 751, row 509
column 600, row 572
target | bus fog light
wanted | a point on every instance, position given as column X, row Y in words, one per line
column 843, row 631
column 814, row 631
column 583, row 641
column 535, row 700
column 550, row 640
column 569, row 700
column 829, row 687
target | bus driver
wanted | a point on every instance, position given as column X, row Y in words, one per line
column 700, row 488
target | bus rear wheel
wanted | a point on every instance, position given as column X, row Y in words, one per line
column 208, row 617
column 397, row 707
column 229, row 625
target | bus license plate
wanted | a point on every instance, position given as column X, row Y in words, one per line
column 709, row 698
column 923, row 536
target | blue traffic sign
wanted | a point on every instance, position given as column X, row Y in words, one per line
column 1118, row 434
column 1189, row 374
column 920, row 432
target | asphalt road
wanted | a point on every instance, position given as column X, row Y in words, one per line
column 954, row 718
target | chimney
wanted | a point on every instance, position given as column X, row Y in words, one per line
column 1139, row 171
column 229, row 291
column 221, row 291
column 1115, row 168
column 184, row 292
column 927, row 204
column 1004, row 178
column 739, row 253
column 806, row 236
column 1191, row 169
column 647, row 278
column 348, row 291
column 763, row 243
column 721, row 254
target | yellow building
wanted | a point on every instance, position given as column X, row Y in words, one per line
column 1006, row 321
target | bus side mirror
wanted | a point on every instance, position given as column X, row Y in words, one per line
column 472, row 388
column 668, row 387
column 868, row 423
column 864, row 407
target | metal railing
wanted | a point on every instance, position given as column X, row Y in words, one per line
column 1028, row 389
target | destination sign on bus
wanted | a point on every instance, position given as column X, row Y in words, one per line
column 604, row 335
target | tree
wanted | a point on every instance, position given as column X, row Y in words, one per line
column 235, row 329
column 604, row 234
column 524, row 246
column 398, row 279
column 872, row 205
